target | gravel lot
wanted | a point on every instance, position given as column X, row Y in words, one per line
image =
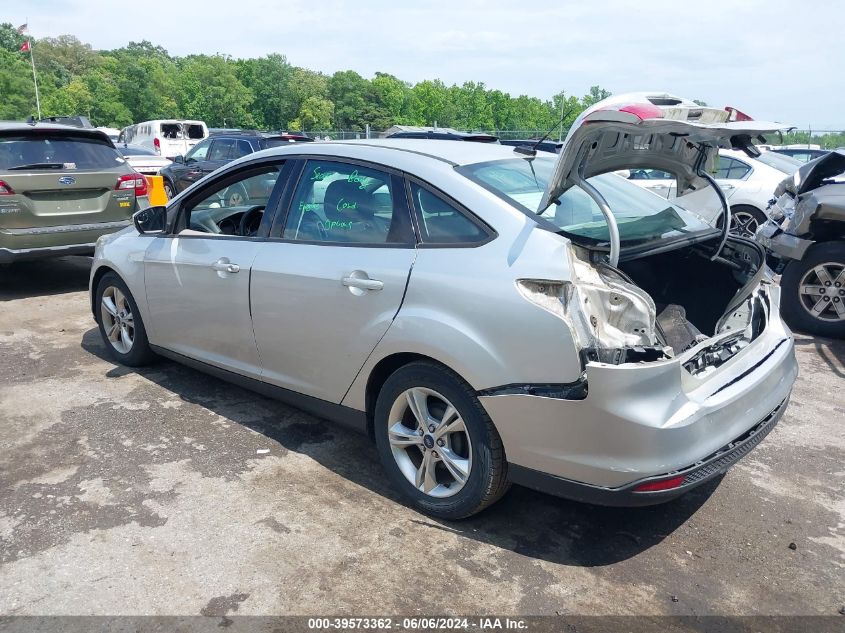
column 164, row 491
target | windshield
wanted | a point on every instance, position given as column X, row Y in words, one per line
column 641, row 215
column 783, row 163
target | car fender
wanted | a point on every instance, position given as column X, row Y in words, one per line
column 123, row 252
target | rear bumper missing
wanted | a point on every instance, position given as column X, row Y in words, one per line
column 691, row 477
column 640, row 421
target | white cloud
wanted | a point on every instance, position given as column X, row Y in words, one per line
column 775, row 59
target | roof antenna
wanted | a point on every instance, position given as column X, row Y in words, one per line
column 532, row 150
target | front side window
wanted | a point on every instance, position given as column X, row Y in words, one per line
column 440, row 222
column 221, row 149
column 198, row 152
column 233, row 206
column 347, row 204
column 642, row 217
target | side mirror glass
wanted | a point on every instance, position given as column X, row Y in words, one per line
column 179, row 159
column 151, row 221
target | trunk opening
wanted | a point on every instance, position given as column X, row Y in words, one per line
column 697, row 298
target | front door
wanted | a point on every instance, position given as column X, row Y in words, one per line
column 327, row 290
column 197, row 277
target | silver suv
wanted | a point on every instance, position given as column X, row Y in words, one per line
column 487, row 315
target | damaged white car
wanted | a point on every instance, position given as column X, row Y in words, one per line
column 486, row 314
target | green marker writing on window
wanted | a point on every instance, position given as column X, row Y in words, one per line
column 355, row 177
column 342, row 204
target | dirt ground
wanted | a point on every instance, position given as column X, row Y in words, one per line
column 164, row 491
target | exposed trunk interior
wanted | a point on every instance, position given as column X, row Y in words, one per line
column 691, row 292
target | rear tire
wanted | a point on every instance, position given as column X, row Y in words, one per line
column 452, row 465
column 811, row 283
column 121, row 326
column 745, row 220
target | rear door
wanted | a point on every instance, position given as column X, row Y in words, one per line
column 61, row 178
column 329, row 283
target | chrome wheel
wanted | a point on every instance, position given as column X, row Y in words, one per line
column 822, row 291
column 117, row 318
column 235, row 199
column 744, row 224
column 430, row 442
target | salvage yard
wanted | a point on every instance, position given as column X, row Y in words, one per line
column 165, row 491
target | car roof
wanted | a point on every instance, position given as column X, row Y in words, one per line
column 454, row 152
column 19, row 127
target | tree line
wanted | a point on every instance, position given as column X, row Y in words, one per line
column 142, row 81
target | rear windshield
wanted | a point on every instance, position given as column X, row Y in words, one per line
column 781, row 162
column 182, row 131
column 642, row 216
column 56, row 152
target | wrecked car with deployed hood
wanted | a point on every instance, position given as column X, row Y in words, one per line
column 806, row 242
column 486, row 314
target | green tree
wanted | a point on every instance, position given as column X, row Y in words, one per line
column 315, row 115
column 16, row 87
column 209, row 89
column 595, row 95
column 348, row 91
column 10, row 39
column 269, row 79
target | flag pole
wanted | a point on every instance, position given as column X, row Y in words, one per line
column 34, row 77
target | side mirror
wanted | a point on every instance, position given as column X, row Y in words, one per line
column 151, row 221
column 179, row 159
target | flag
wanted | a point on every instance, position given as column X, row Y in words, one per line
column 25, row 47
column 22, row 28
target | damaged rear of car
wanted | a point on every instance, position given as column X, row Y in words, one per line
column 686, row 364
column 806, row 243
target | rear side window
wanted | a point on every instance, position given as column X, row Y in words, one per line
column 440, row 222
column 194, row 131
column 731, row 169
column 56, row 152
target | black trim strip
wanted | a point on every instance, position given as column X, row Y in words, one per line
column 345, row 416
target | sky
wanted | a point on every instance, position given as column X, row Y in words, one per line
column 778, row 60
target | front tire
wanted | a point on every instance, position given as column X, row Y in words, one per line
column 121, row 326
column 436, row 442
column 169, row 190
column 813, row 291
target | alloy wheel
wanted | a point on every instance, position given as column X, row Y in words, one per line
column 822, row 291
column 118, row 321
column 744, row 224
column 430, row 442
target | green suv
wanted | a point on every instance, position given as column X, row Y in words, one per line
column 60, row 189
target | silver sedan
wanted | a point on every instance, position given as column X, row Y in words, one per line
column 487, row 314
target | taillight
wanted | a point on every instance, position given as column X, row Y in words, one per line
column 737, row 115
column 5, row 189
column 664, row 484
column 157, row 144
column 134, row 181
column 643, row 111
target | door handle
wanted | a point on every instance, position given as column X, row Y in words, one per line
column 223, row 265
column 364, row 283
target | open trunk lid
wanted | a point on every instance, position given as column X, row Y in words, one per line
column 651, row 130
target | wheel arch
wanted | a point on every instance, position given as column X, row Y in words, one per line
column 379, row 374
column 98, row 274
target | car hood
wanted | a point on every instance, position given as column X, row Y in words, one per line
column 655, row 130
column 810, row 175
